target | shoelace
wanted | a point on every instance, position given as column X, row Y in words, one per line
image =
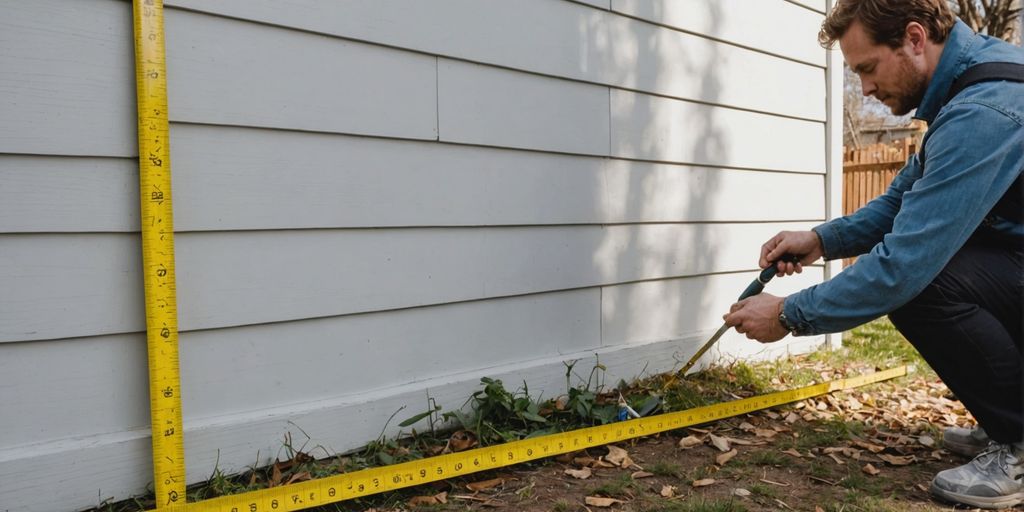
column 1002, row 455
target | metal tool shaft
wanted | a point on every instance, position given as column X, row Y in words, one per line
column 693, row 360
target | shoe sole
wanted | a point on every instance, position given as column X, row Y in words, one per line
column 980, row 501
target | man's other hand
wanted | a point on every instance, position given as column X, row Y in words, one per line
column 758, row 318
column 805, row 245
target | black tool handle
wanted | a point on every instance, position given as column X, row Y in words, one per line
column 757, row 286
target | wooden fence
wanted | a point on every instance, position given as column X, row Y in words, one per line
column 869, row 170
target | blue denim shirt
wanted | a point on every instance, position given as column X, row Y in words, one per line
column 974, row 150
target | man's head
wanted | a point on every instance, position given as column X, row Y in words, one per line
column 893, row 45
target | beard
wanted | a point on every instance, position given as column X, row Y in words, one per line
column 908, row 89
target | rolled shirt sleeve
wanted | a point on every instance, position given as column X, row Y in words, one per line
column 973, row 153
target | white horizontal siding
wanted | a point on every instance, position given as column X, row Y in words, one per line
column 92, row 282
column 485, row 105
column 651, row 311
column 729, row 20
column 569, row 40
column 260, row 367
column 244, row 179
column 48, row 193
column 67, row 79
column 600, row 4
column 100, row 382
column 816, row 5
column 663, row 129
column 230, row 72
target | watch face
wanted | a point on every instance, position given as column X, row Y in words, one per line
column 785, row 322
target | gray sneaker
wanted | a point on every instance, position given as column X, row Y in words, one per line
column 968, row 442
column 994, row 479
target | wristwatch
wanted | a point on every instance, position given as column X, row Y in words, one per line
column 786, row 324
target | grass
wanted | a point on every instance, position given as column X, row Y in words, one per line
column 561, row 506
column 616, row 488
column 667, row 469
column 770, row 458
column 723, row 505
column 765, row 491
column 824, row 434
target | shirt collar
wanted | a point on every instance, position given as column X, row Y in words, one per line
column 952, row 63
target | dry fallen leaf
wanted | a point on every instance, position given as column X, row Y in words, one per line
column 745, row 442
column 703, row 482
column 896, row 460
column 873, row 448
column 690, row 441
column 437, row 499
column 485, row 484
column 299, row 477
column 460, row 440
column 793, row 452
column 591, row 462
column 792, row 417
column 275, row 475
column 720, row 442
column 765, row 433
column 641, row 474
column 869, row 469
column 618, row 456
column 581, row 474
column 926, row 441
column 741, row 492
column 723, row 458
column 599, row 501
column 668, row 491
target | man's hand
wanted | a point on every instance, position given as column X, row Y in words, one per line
column 758, row 318
column 803, row 244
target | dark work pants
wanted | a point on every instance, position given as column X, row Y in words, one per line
column 968, row 326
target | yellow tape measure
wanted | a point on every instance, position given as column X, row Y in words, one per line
column 397, row 476
column 158, row 254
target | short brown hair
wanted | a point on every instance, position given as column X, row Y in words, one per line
column 886, row 21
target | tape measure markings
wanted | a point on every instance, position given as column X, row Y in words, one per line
column 371, row 481
column 157, row 227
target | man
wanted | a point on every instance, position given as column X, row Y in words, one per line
column 941, row 250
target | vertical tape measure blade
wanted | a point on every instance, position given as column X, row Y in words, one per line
column 157, row 227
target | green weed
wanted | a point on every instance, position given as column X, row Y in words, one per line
column 561, row 506
column 615, row 488
column 826, row 434
column 764, row 490
column 703, row 505
column 668, row 469
column 770, row 458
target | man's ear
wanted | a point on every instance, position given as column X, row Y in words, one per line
column 915, row 37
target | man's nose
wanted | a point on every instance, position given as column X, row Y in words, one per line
column 867, row 87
